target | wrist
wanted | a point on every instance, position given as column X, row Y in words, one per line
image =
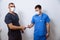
column 48, row 33
column 20, row 27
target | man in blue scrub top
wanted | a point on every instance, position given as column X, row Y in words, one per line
column 41, row 23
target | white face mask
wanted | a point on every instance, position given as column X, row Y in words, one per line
column 37, row 12
column 12, row 9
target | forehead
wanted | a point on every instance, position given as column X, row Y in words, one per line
column 37, row 9
column 11, row 5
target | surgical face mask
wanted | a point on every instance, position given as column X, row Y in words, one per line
column 37, row 12
column 12, row 9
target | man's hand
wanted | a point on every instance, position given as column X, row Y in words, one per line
column 47, row 35
column 22, row 27
column 29, row 26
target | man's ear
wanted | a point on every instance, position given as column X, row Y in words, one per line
column 9, row 8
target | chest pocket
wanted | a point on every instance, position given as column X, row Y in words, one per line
column 39, row 20
column 42, row 20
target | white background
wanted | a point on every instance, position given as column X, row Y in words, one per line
column 25, row 10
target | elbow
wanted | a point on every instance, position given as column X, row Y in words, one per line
column 11, row 27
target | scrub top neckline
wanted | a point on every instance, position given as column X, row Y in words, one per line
column 12, row 14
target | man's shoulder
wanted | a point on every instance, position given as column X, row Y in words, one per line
column 44, row 14
column 35, row 15
column 8, row 15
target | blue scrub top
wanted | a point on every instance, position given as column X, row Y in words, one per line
column 40, row 24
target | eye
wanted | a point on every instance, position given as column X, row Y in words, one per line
column 36, row 10
column 12, row 6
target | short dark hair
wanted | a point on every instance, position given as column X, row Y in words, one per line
column 38, row 6
column 11, row 3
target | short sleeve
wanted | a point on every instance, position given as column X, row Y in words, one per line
column 33, row 21
column 8, row 19
column 47, row 19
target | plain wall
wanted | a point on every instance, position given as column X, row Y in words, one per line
column 25, row 10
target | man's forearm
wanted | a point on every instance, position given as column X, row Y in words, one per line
column 11, row 26
column 31, row 25
column 15, row 27
column 48, row 28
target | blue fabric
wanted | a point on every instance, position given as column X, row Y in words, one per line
column 40, row 23
column 37, row 37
